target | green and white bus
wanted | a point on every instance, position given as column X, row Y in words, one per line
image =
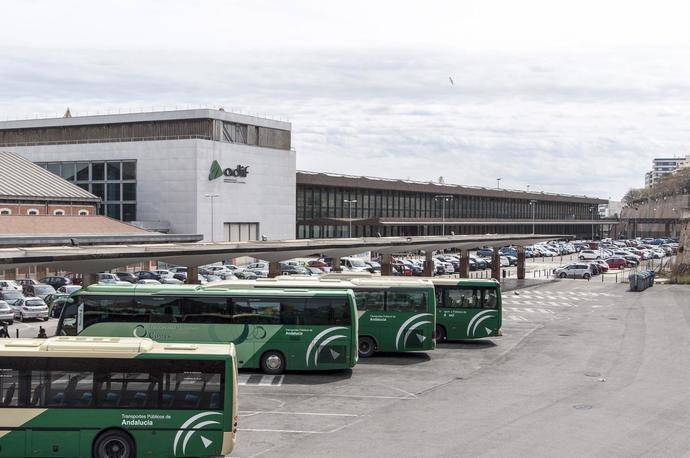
column 116, row 398
column 394, row 316
column 467, row 308
column 272, row 330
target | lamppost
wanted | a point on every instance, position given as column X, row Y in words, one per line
column 527, row 188
column 498, row 183
column 349, row 208
column 212, row 196
column 591, row 215
column 443, row 198
column 533, row 204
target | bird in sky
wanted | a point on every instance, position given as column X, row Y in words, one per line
column 451, row 81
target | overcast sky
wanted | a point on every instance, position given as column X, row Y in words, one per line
column 573, row 97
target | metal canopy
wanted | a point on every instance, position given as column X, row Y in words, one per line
column 97, row 258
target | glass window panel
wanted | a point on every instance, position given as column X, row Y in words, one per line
column 370, row 300
column 98, row 189
column 98, row 171
column 114, row 171
column 9, row 387
column 54, row 168
column 129, row 212
column 113, row 191
column 67, row 171
column 129, row 170
column 83, row 171
column 406, row 301
column 114, row 211
column 129, row 191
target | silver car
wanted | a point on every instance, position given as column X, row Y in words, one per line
column 31, row 307
column 6, row 313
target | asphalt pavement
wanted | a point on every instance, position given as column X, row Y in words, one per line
column 582, row 369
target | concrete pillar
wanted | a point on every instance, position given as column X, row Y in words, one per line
column 387, row 265
column 521, row 263
column 88, row 279
column 465, row 264
column 335, row 264
column 192, row 275
column 428, row 264
column 273, row 269
column 496, row 264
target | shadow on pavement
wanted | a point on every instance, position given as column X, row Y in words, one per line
column 468, row 344
column 396, row 359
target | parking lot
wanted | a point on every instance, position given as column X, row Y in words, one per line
column 577, row 360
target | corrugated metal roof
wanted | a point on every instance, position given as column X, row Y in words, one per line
column 21, row 178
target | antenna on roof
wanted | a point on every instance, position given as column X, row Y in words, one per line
column 68, row 114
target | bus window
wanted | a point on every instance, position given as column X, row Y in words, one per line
column 406, row 301
column 9, row 387
column 258, row 311
column 98, row 309
column 370, row 300
column 162, row 309
column 462, row 298
column 490, row 298
column 205, row 310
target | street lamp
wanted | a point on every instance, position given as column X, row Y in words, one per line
column 212, row 196
column 527, row 188
column 498, row 183
column 349, row 206
column 533, row 204
column 443, row 198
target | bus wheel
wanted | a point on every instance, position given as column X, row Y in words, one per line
column 273, row 363
column 114, row 444
column 440, row 333
column 366, row 347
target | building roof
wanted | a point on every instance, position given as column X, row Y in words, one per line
column 60, row 225
column 167, row 115
column 365, row 182
column 22, row 179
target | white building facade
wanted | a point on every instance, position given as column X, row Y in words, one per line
column 224, row 175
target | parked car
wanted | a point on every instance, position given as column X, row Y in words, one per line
column 25, row 283
column 6, row 313
column 30, row 307
column 68, row 289
column 603, row 266
column 148, row 281
column 589, row 255
column 126, row 276
column 146, row 275
column 616, row 262
column 110, row 279
column 485, row 252
column 578, row 270
column 55, row 282
column 9, row 284
column 56, row 305
column 11, row 295
column 39, row 290
column 249, row 275
column 259, row 268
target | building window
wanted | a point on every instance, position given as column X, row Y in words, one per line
column 83, row 213
column 5, row 211
column 59, row 212
column 32, row 212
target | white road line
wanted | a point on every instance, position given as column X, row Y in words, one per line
column 281, row 412
column 289, row 431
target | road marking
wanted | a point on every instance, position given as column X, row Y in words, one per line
column 282, row 412
column 260, row 380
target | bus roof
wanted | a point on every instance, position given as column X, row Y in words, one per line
column 306, row 282
column 352, row 276
column 218, row 287
column 107, row 347
column 466, row 281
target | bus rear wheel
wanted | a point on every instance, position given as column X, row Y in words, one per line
column 273, row 362
column 114, row 444
column 440, row 333
column 366, row 347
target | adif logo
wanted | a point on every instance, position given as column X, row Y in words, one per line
column 322, row 345
column 422, row 317
column 241, row 171
column 477, row 319
column 190, row 427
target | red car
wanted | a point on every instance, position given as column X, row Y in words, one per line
column 603, row 266
column 616, row 263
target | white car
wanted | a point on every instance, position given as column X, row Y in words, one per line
column 148, row 281
column 9, row 284
column 354, row 264
column 6, row 313
column 31, row 307
column 505, row 262
column 589, row 255
column 259, row 268
column 68, row 289
column 164, row 273
column 578, row 270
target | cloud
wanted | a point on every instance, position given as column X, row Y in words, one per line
column 574, row 120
